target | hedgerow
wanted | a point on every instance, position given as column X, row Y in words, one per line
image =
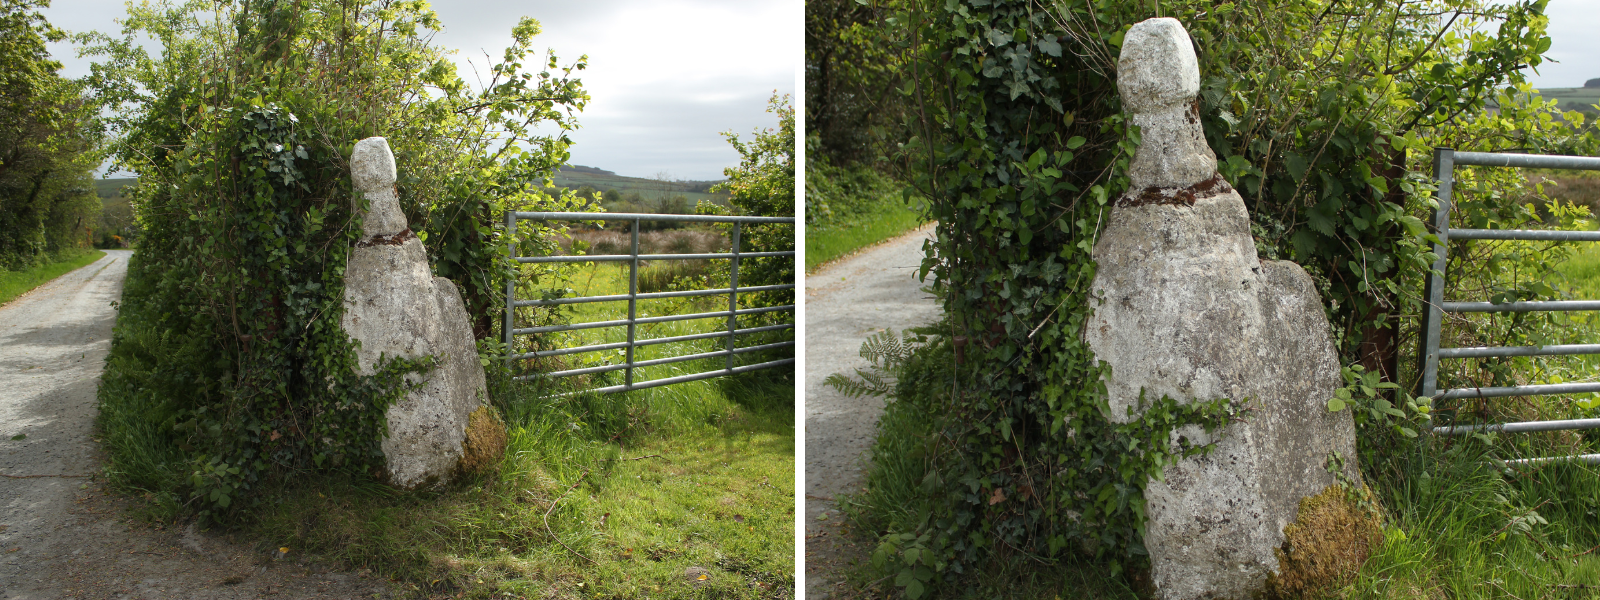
column 229, row 369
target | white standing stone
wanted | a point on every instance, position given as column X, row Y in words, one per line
column 1186, row 309
column 394, row 306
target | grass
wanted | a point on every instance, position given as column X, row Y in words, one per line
column 826, row 243
column 618, row 496
column 852, row 207
column 17, row 283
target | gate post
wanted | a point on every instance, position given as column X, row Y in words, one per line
column 1433, row 290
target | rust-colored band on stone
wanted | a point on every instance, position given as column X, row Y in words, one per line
column 1179, row 196
column 387, row 240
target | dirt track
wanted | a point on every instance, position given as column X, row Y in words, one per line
column 61, row 534
column 845, row 303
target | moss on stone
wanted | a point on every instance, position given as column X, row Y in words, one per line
column 486, row 440
column 1332, row 535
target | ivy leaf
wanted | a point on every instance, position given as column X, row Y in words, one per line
column 1050, row 46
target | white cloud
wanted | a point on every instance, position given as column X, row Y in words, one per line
column 665, row 76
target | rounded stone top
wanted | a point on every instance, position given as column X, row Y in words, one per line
column 372, row 165
column 1157, row 68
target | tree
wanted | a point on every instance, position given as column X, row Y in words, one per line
column 855, row 104
column 763, row 185
column 48, row 143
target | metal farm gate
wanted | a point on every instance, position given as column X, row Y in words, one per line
column 1444, row 162
column 729, row 334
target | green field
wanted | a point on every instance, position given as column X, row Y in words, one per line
column 578, row 176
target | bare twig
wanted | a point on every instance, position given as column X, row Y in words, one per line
column 1584, row 552
column 638, row 457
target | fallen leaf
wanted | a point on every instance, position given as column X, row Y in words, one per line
column 997, row 498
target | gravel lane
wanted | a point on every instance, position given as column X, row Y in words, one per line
column 62, row 535
column 846, row 303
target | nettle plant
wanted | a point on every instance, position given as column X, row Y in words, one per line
column 1322, row 115
column 241, row 132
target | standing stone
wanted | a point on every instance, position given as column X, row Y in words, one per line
column 395, row 307
column 1184, row 308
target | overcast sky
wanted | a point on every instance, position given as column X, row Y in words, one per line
column 1574, row 42
column 665, row 76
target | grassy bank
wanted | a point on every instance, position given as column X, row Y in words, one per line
column 631, row 495
column 17, row 283
column 848, row 209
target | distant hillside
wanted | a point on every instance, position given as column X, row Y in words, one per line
column 583, row 169
column 1580, row 99
column 111, row 188
column 577, row 176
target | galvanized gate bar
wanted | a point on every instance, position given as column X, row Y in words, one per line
column 1523, row 306
column 1524, row 426
column 631, row 361
column 633, row 302
column 733, row 295
column 648, row 342
column 1433, row 287
column 622, row 257
column 1536, row 235
column 583, row 216
column 695, row 377
column 1548, row 389
column 1526, row 161
column 652, row 295
column 646, row 320
column 663, row 361
column 1444, row 162
column 1593, row 459
column 1492, row 351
